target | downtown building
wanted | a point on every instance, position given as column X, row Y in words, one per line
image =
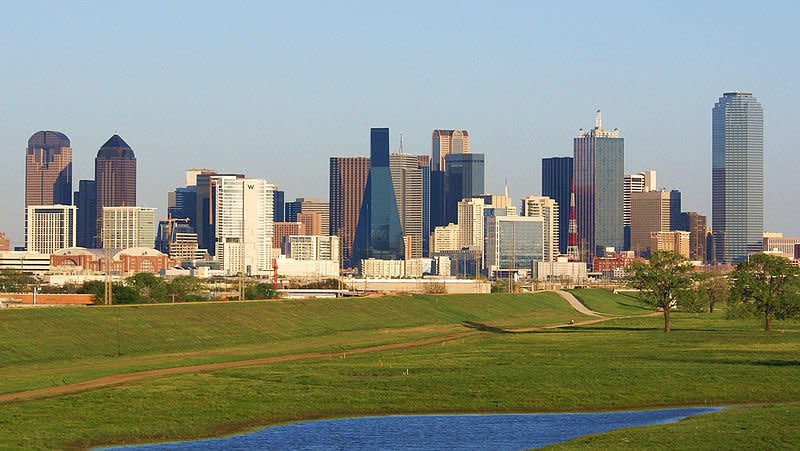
column 514, row 244
column 407, row 182
column 48, row 171
column 308, row 205
column 49, row 228
column 348, row 178
column 598, row 173
column 128, row 227
column 737, row 176
column 115, row 178
column 557, row 185
column 444, row 143
column 547, row 209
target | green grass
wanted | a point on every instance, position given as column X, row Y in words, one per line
column 604, row 301
column 619, row 364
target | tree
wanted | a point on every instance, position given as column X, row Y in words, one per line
column 768, row 282
column 662, row 280
column 149, row 288
column 14, row 280
column 712, row 288
column 260, row 291
column 184, row 288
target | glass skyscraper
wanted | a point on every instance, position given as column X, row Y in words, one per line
column 378, row 233
column 737, row 176
column 464, row 178
column 598, row 174
column 557, row 184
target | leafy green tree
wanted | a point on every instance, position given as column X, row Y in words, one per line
column 149, row 288
column 184, row 288
column 713, row 288
column 260, row 291
column 663, row 280
column 769, row 283
column 14, row 281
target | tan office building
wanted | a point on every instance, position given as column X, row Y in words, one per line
column 407, row 184
column 649, row 213
column 674, row 241
column 546, row 208
column 445, row 142
column 348, row 178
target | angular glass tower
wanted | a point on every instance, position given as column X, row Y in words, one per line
column 464, row 178
column 737, row 176
column 557, row 184
column 378, row 233
column 598, row 174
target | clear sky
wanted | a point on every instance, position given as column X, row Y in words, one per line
column 274, row 89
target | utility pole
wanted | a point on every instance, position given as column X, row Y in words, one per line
column 107, row 293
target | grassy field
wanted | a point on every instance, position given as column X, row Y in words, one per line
column 604, row 301
column 706, row 360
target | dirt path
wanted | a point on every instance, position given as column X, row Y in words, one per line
column 576, row 304
column 129, row 378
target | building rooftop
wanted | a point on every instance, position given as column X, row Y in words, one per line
column 46, row 139
column 115, row 147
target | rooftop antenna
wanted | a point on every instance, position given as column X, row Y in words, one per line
column 505, row 191
column 401, row 142
column 598, row 120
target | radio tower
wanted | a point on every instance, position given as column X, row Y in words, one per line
column 572, row 234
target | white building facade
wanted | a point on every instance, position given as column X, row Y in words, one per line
column 49, row 228
column 125, row 227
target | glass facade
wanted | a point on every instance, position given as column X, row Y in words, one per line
column 514, row 242
column 556, row 183
column 737, row 176
column 464, row 178
column 86, row 224
column 598, row 175
column 378, row 233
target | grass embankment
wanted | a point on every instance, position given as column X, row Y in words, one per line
column 606, row 302
column 58, row 346
column 618, row 364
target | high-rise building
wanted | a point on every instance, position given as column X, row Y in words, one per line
column 737, row 176
column 312, row 247
column 695, row 224
column 634, row 183
column 309, row 205
column 775, row 241
column 557, row 185
column 5, row 244
column 464, row 178
column 378, row 233
column 445, row 238
column 50, row 228
column 115, row 176
column 470, row 222
column 547, row 209
column 513, row 244
column 86, row 201
column 282, row 230
column 598, row 173
column 192, row 174
column 205, row 208
column 673, row 241
column 348, row 178
column 408, row 190
column 446, row 142
column 48, row 170
column 277, row 206
column 243, row 225
column 311, row 223
column 424, row 165
column 675, row 221
column 650, row 212
column 126, row 227
column 182, row 204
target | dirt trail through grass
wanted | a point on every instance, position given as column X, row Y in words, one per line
column 129, row 378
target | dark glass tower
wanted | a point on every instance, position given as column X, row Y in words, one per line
column 463, row 179
column 277, row 206
column 598, row 174
column 86, row 220
column 115, row 176
column 378, row 233
column 556, row 184
column 737, row 176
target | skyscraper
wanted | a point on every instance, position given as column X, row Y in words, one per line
column 446, row 142
column 424, row 165
column 277, row 206
column 348, row 178
column 50, row 228
column 309, row 205
column 557, row 185
column 548, row 209
column 598, row 173
column 115, row 176
column 378, row 234
column 737, row 176
column 650, row 212
column 48, row 170
column 464, row 178
column 126, row 227
column 408, row 190
column 86, row 201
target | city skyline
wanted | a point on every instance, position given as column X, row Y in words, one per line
column 179, row 113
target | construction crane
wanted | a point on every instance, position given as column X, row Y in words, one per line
column 170, row 220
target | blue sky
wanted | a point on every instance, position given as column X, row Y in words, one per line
column 274, row 89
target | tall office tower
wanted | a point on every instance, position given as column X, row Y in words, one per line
column 125, row 227
column 546, row 208
column 634, row 183
column 446, row 142
column 695, row 224
column 205, row 208
column 243, row 225
column 513, row 244
column 557, row 185
column 424, row 165
column 182, row 204
column 674, row 241
column 277, row 206
column 650, row 212
column 378, row 233
column 280, row 230
column 86, row 224
column 115, row 175
column 348, row 178
column 470, row 222
column 408, row 190
column 597, row 170
column 572, row 233
column 464, row 179
column 48, row 170
column 438, row 209
column 192, row 174
column 50, row 228
column 309, row 205
column 675, row 222
column 737, row 176
column 445, row 238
